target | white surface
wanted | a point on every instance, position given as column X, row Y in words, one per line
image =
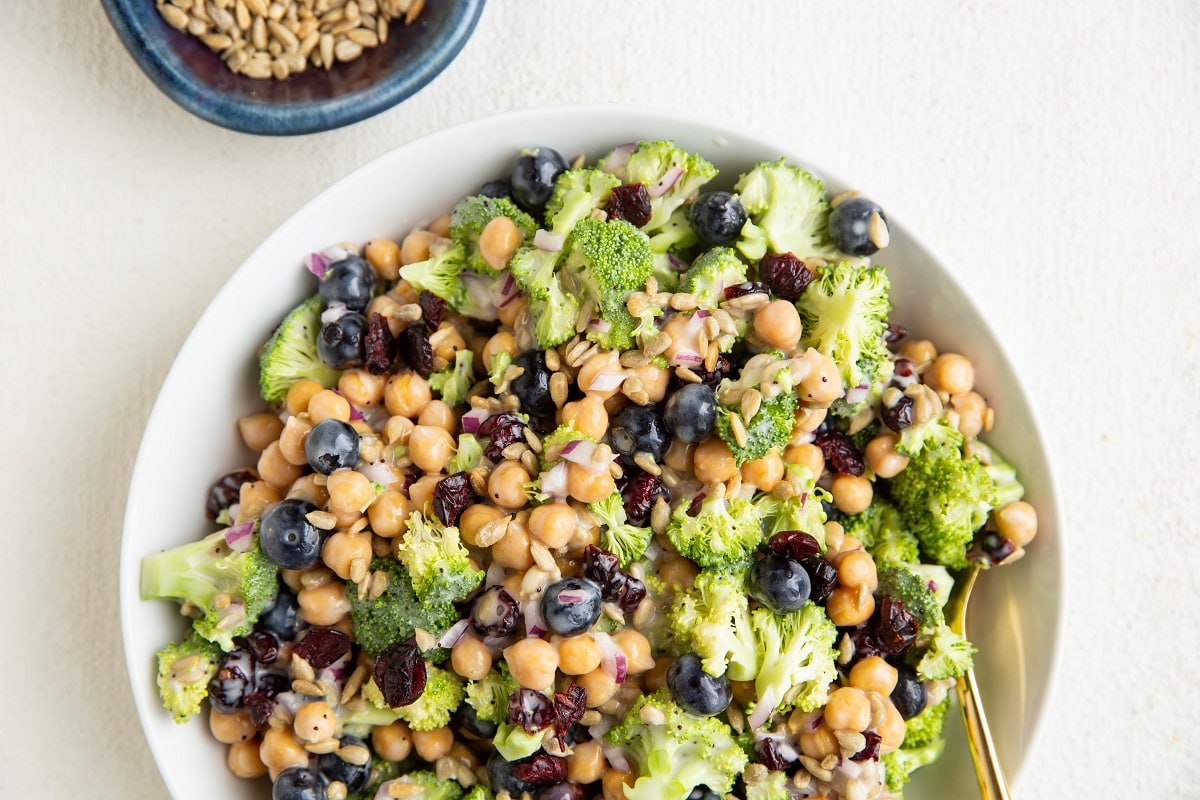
column 1046, row 150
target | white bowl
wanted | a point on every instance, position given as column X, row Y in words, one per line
column 191, row 438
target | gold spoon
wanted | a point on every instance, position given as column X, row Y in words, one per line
column 989, row 773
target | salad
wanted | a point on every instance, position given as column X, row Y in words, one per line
column 607, row 483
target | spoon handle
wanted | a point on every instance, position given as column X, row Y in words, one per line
column 992, row 784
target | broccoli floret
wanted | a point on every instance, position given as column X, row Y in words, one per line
column 682, row 752
column 670, row 247
column 798, row 660
column 627, row 542
column 933, row 433
column 770, row 429
column 198, row 573
column 711, row 273
column 926, row 727
column 949, row 656
column 844, row 315
column 881, row 530
column 533, row 269
column 471, row 216
column 604, row 262
column 899, row 765
column 466, row 455
column 397, row 613
column 291, row 353
column 803, row 511
column 712, row 619
column 489, row 695
column 773, row 787
column 577, row 193
column 722, row 535
column 944, row 499
column 788, row 212
column 554, row 316
column 512, row 741
column 455, row 381
column 479, row 792
column 439, row 274
column 437, row 560
column 184, row 671
column 902, row 584
column 435, row 788
column 936, row 578
column 500, row 363
column 672, row 176
column 1002, row 474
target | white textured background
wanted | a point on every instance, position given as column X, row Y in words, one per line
column 1046, row 149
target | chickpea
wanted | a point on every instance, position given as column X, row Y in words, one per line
column 420, row 494
column 851, row 493
column 392, row 742
column 255, row 497
column 677, row 328
column 433, row 744
column 384, row 257
column 602, row 362
column 292, row 438
column 430, row 447
column 470, row 658
column 361, row 387
column 808, row 419
column 299, row 394
column 713, row 461
column 306, row 488
column 806, row 455
column 230, row 728
column 512, row 550
column 578, row 655
column 553, row 524
column 777, row 324
column 873, row 674
column 972, row 410
column 599, row 685
column 587, row 416
column 415, row 247
column 406, row 394
column 397, row 430
column 438, row 414
column 848, row 607
column 951, row 373
column 679, row 455
column 614, row 783
column 582, row 536
column 857, row 568
column 823, row 383
column 447, row 341
column 918, row 351
column 819, row 743
column 586, row 764
column 532, row 663
column 656, row 677
column 848, row 709
column 587, row 486
column 343, row 549
column 497, row 241
column 277, row 470
column 882, row 458
column 385, row 305
column 259, row 430
column 506, row 484
column 350, row 492
column 511, row 312
column 328, row 404
column 389, row 513
column 636, row 647
column 315, row 722
column 325, row 604
column 280, row 750
column 473, row 518
column 440, row 226
column 891, row 730
column 764, row 473
column 678, row 572
column 1017, row 522
column 654, row 381
column 244, row 760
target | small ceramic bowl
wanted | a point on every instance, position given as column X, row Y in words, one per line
column 315, row 100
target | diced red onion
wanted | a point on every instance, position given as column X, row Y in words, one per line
column 355, row 412
column 451, row 637
column 508, row 292
column 473, row 419
column 857, row 394
column 686, row 358
column 763, row 710
column 554, row 481
column 535, row 623
column 616, row 161
column 701, row 313
column 612, row 657
column 677, row 264
column 606, row 381
column 571, row 447
column 479, row 287
column 333, row 313
column 598, row 325
column 664, row 184
column 334, row 253
column 379, row 472
column 548, row 241
column 616, row 757
column 581, row 453
column 317, row 264
column 240, row 537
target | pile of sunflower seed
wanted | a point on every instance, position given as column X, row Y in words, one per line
column 277, row 38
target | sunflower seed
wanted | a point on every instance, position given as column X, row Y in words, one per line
column 175, row 17
column 646, row 462
column 424, row 639
column 493, row 531
column 658, row 344
column 301, row 686
column 681, row 301
column 335, row 791
column 877, row 231
column 843, row 197
column 660, row 515
column 737, row 429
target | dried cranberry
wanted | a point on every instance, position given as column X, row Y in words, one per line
column 568, row 708
column 639, row 494
column 991, row 548
column 530, row 710
column 904, row 371
column 870, row 750
column 320, row 647
column 786, row 275
column 263, row 646
column 823, row 575
column 433, row 308
column 400, row 674
column 899, row 415
column 226, row 491
column 540, row 768
column 451, row 497
column 749, row 287
column 604, row 569
column 414, row 349
column 895, row 333
column 796, row 545
column 379, row 345
column 503, row 430
column 768, row 753
column 719, row 373
column 839, row 451
column 260, row 707
column 495, row 612
column 631, row 203
column 630, row 594
column 890, row 632
column 567, row 790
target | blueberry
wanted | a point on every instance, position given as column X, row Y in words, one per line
column 696, row 690
column 779, row 583
column 287, row 538
column 502, row 779
column 718, row 217
column 471, row 722
column 341, row 343
column 567, row 617
column 331, row 445
column 850, row 226
column 691, row 412
column 702, row 792
column 298, row 783
column 333, row 768
column 283, row 617
column 533, row 176
column 909, row 695
column 350, row 281
column 639, row 429
column 497, row 188
column 532, row 387
column 234, row 680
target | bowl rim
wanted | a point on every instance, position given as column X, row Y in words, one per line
column 156, row 59
column 640, row 116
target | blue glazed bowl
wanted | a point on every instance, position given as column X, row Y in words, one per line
column 315, row 100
